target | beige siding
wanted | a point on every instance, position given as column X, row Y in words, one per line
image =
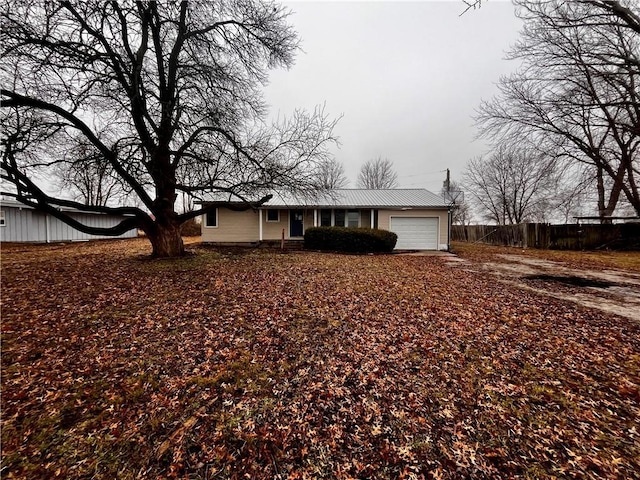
column 385, row 215
column 273, row 230
column 242, row 227
column 233, row 227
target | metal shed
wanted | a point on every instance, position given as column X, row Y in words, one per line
column 21, row 223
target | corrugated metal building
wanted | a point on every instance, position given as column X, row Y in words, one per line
column 21, row 223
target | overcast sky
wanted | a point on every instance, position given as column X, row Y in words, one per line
column 406, row 76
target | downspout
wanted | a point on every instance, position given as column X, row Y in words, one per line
column 47, row 233
column 450, row 217
column 260, row 224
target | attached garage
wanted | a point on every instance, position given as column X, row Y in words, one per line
column 419, row 218
column 415, row 233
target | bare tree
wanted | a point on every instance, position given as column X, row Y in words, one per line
column 461, row 214
column 453, row 193
column 576, row 94
column 511, row 185
column 88, row 178
column 471, row 5
column 623, row 15
column 330, row 175
column 377, row 174
column 572, row 195
column 167, row 94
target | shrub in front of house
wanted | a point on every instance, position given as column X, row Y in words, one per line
column 353, row 240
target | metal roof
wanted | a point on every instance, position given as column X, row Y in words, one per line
column 13, row 203
column 351, row 198
column 10, row 202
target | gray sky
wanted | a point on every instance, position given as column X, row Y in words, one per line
column 406, row 76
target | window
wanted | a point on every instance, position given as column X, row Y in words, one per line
column 339, row 218
column 353, row 218
column 2, row 220
column 273, row 215
column 325, row 218
column 211, row 220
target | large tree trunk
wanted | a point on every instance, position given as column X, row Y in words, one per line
column 166, row 240
column 632, row 191
column 165, row 232
column 614, row 195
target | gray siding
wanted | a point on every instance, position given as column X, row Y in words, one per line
column 17, row 225
column 27, row 225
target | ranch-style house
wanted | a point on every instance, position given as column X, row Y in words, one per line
column 420, row 218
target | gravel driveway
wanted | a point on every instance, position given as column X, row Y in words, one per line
column 612, row 291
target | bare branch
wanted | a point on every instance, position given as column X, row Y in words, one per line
column 167, row 94
column 377, row 174
column 577, row 92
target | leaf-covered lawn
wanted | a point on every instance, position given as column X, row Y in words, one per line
column 257, row 364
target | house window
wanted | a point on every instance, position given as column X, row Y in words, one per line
column 211, row 219
column 353, row 218
column 2, row 220
column 325, row 218
column 273, row 215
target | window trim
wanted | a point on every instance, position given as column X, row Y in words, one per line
column 277, row 213
column 206, row 217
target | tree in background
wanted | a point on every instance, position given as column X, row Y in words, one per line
column 377, row 174
column 576, row 95
column 168, row 95
column 453, row 193
column 625, row 16
column 573, row 194
column 87, row 177
column 511, row 185
column 89, row 182
column 330, row 175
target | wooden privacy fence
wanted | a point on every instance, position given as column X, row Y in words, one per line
column 623, row 236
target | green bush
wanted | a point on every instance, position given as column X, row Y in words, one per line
column 355, row 240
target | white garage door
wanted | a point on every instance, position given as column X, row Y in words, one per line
column 415, row 233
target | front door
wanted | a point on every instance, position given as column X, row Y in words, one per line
column 296, row 223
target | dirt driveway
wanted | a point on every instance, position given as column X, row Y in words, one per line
column 611, row 290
